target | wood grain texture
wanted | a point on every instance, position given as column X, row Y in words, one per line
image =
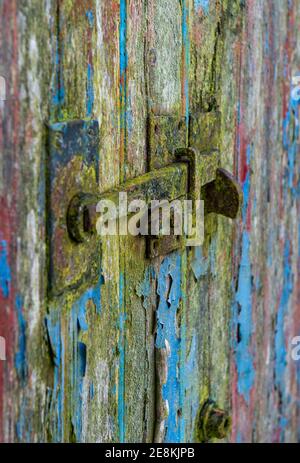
column 266, row 389
column 26, row 50
column 87, row 407
column 133, row 355
column 138, row 391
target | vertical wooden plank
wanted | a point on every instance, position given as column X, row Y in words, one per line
column 215, row 29
column 107, row 82
column 164, row 50
column 86, row 370
column 267, row 298
column 138, row 330
column 25, row 61
column 222, row 280
column 165, row 97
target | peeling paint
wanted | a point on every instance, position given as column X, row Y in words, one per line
column 92, row 56
column 78, row 325
column 56, row 414
column 20, row 357
column 203, row 4
column 5, row 275
column 244, row 325
column 169, row 292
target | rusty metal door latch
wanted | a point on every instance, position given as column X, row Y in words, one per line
column 179, row 168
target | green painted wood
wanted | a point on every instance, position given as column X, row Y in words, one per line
column 90, row 89
column 90, row 365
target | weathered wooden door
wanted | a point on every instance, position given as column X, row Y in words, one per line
column 104, row 344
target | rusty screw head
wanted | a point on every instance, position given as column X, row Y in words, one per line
column 81, row 217
column 214, row 422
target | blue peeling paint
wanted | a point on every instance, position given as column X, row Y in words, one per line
column 77, row 367
column 242, row 308
column 75, row 137
column 92, row 391
column 123, row 45
column 123, row 56
column 92, row 294
column 90, row 97
column 58, row 97
column 5, row 275
column 144, row 288
column 90, row 18
column 170, row 274
column 204, row 4
column 126, row 122
column 79, row 324
column 290, row 143
column 123, row 124
column 290, row 140
column 200, row 264
column 20, row 357
column 53, row 326
column 244, row 326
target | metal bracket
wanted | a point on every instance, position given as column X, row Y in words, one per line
column 72, row 167
column 165, row 134
column 177, row 171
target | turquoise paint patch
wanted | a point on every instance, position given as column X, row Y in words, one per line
column 90, row 97
column 199, row 264
column 56, row 395
column 169, row 292
column 123, row 43
column 92, row 391
column 90, row 18
column 203, row 4
column 243, row 323
column 291, row 131
column 77, row 367
column 20, row 357
column 123, row 124
column 58, row 97
column 143, row 289
column 78, row 324
column 5, row 274
column 124, row 114
column 244, row 326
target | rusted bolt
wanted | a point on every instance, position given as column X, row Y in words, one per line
column 214, row 423
column 81, row 217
